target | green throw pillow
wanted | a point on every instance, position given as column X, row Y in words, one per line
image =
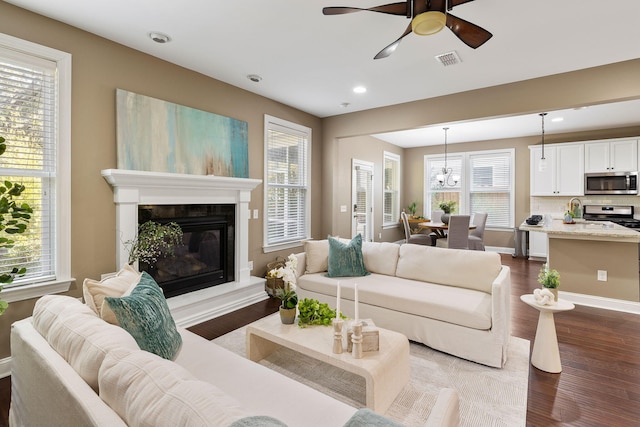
column 146, row 316
column 345, row 259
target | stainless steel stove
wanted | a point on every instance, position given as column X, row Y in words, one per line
column 621, row 215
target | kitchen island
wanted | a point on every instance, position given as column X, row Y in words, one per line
column 587, row 251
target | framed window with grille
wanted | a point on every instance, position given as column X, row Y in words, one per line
column 35, row 97
column 391, row 190
column 287, row 168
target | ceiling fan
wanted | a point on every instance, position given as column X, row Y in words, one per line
column 427, row 17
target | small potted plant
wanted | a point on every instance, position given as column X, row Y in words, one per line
column 448, row 207
column 287, row 294
column 411, row 209
column 550, row 279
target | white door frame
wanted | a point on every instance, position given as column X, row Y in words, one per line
column 358, row 212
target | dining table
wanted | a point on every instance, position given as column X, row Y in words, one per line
column 440, row 228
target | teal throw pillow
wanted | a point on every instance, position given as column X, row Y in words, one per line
column 345, row 259
column 146, row 316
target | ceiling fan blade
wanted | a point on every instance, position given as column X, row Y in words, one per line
column 471, row 35
column 392, row 47
column 390, row 9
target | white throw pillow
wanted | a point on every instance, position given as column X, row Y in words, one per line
column 146, row 390
column 74, row 331
column 317, row 255
column 381, row 257
column 115, row 286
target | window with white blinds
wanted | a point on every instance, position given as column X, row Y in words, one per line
column 486, row 184
column 287, row 148
column 30, row 122
column 491, row 187
column 391, row 192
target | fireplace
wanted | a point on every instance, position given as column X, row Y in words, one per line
column 133, row 189
column 206, row 256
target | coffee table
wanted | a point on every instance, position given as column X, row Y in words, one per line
column 385, row 371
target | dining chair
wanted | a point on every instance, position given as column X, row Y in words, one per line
column 476, row 237
column 436, row 216
column 416, row 239
column 458, row 235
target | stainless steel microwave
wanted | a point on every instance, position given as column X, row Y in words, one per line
column 611, row 183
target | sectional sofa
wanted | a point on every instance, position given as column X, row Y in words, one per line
column 455, row 301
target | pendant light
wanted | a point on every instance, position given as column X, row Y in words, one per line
column 446, row 176
column 542, row 165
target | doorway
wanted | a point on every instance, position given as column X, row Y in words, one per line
column 362, row 199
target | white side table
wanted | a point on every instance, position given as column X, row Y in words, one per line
column 546, row 355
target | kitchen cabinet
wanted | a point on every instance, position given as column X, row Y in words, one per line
column 538, row 244
column 564, row 175
column 611, row 156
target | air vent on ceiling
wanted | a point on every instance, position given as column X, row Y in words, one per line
column 449, row 58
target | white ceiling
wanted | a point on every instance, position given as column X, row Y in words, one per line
column 311, row 62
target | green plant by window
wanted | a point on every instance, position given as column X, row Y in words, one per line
column 549, row 278
column 14, row 219
column 448, row 206
column 154, row 240
column 412, row 208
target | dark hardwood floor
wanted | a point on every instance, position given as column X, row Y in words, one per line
column 600, row 351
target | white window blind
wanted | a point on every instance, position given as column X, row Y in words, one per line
column 28, row 107
column 287, row 182
column 391, row 192
column 490, row 188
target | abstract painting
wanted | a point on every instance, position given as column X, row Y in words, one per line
column 160, row 136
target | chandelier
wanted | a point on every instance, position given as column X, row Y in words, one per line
column 542, row 166
column 447, row 176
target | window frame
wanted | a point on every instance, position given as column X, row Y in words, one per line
column 465, row 183
column 387, row 155
column 271, row 122
column 62, row 256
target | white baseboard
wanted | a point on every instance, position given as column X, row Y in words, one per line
column 601, row 302
column 5, row 367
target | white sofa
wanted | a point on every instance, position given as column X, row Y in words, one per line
column 455, row 301
column 71, row 368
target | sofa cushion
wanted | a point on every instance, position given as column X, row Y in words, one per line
column 75, row 332
column 258, row 421
column 146, row 390
column 345, row 259
column 453, row 267
column 145, row 315
column 367, row 418
column 381, row 257
column 94, row 291
column 317, row 255
column 460, row 306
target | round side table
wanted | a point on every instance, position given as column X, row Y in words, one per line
column 546, row 355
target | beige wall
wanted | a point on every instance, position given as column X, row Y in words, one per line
column 99, row 67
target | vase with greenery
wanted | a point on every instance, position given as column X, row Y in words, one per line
column 153, row 241
column 550, row 279
column 287, row 294
column 14, row 219
column 448, row 207
column 412, row 208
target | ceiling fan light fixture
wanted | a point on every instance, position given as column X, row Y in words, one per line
column 428, row 23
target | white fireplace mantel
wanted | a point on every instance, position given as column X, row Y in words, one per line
column 132, row 188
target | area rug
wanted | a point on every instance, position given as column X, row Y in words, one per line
column 488, row 396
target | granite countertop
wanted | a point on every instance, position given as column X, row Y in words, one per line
column 586, row 230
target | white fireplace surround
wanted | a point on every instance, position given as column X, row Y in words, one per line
column 133, row 188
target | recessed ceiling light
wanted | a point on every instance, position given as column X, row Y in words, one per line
column 159, row 37
column 345, row 105
column 254, row 78
column 557, row 119
column 359, row 89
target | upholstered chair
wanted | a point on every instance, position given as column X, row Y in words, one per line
column 476, row 237
column 458, row 234
column 416, row 239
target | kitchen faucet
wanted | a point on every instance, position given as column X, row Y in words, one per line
column 575, row 206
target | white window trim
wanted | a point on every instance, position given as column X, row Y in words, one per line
column 298, row 243
column 465, row 198
column 63, row 279
column 397, row 158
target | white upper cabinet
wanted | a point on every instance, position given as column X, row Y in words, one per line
column 611, row 156
column 564, row 175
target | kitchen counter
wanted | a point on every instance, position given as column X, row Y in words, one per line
column 586, row 230
column 597, row 258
